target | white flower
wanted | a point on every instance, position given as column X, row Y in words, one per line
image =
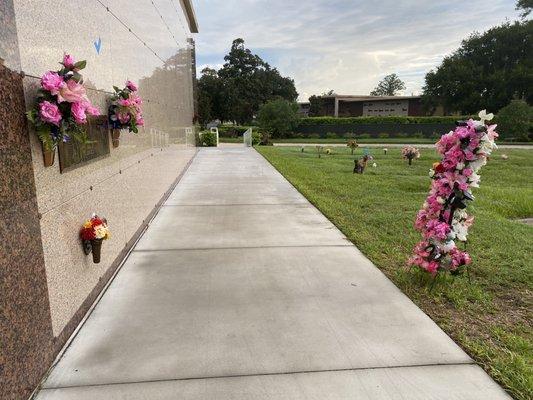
column 483, row 116
column 440, row 200
column 486, row 145
column 460, row 165
column 448, row 246
column 460, row 231
column 431, row 173
column 477, row 164
column 474, row 180
column 100, row 231
column 374, row 165
column 460, row 214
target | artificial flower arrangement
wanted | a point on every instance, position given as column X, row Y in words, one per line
column 362, row 162
column 352, row 144
column 410, row 153
column 125, row 110
column 443, row 219
column 62, row 106
column 92, row 233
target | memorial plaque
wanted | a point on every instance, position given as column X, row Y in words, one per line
column 73, row 154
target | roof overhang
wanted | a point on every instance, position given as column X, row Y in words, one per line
column 355, row 98
column 191, row 16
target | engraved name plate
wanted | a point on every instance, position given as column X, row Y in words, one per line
column 73, row 154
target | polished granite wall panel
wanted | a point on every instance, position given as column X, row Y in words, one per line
column 137, row 44
column 26, row 339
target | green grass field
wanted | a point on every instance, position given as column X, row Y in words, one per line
column 360, row 141
column 490, row 315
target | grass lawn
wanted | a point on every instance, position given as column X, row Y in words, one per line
column 490, row 316
column 367, row 140
column 360, row 141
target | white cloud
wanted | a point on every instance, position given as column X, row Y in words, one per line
column 345, row 45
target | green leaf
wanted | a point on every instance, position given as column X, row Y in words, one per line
column 77, row 77
column 80, row 64
column 31, row 116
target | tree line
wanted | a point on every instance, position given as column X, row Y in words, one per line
column 491, row 70
column 237, row 90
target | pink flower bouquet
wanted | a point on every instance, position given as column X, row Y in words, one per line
column 410, row 153
column 443, row 220
column 62, row 105
column 125, row 110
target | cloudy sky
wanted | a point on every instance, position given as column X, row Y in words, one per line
column 344, row 45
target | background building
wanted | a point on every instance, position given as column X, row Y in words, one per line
column 337, row 105
column 47, row 282
column 303, row 108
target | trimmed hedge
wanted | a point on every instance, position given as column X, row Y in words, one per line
column 232, row 130
column 379, row 120
column 206, row 139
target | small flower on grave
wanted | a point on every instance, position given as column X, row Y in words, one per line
column 410, row 153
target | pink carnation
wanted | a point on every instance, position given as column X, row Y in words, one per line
column 124, row 118
column 124, row 102
column 437, row 229
column 131, row 86
column 68, row 61
column 139, row 120
column 49, row 112
column 52, row 82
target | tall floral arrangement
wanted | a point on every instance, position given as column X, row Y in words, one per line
column 62, row 105
column 443, row 219
column 125, row 110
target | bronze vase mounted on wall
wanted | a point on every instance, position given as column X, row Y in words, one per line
column 49, row 157
column 115, row 136
column 96, row 245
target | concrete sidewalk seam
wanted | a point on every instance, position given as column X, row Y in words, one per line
column 238, row 205
column 244, row 248
column 193, row 378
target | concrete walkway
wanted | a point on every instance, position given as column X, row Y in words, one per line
column 241, row 289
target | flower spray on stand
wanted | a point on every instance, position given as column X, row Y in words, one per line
column 443, row 219
column 93, row 232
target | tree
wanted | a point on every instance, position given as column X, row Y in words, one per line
column 212, row 97
column 316, row 104
column 278, row 117
column 525, row 6
column 242, row 85
column 515, row 121
column 388, row 86
column 486, row 72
